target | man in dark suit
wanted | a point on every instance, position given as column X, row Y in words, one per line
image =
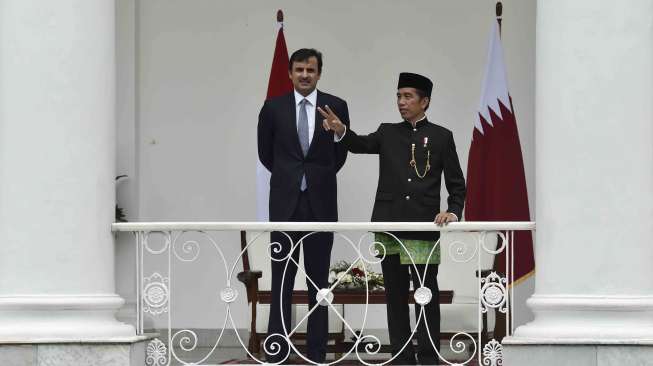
column 414, row 154
column 303, row 161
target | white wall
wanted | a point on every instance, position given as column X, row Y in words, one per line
column 202, row 71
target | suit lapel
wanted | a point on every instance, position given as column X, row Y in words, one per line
column 318, row 126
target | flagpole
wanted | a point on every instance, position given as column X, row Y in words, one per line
column 509, row 315
column 499, row 11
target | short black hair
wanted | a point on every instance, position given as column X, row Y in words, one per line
column 303, row 54
column 422, row 94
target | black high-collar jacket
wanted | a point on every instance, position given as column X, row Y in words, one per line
column 401, row 195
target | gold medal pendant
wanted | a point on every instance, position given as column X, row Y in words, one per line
column 413, row 162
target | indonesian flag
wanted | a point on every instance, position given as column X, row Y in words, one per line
column 496, row 186
column 279, row 84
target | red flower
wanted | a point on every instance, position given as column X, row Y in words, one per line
column 357, row 272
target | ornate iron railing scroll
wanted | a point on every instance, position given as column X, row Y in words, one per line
column 173, row 243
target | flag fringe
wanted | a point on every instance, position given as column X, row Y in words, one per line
column 522, row 278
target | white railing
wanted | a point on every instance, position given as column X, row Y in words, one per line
column 182, row 242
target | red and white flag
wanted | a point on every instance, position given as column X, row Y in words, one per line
column 279, row 84
column 496, row 185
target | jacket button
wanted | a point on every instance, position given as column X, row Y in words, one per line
column 407, row 198
column 410, row 180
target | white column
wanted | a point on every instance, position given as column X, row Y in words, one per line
column 57, row 163
column 594, row 174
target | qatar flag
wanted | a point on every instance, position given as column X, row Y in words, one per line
column 496, row 185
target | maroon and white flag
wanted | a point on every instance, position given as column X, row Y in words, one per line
column 496, row 185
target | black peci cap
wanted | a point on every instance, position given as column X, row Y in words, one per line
column 410, row 80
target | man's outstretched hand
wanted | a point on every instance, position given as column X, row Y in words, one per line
column 331, row 121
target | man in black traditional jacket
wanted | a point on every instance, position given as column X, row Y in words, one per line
column 413, row 156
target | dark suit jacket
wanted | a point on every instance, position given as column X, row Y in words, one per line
column 280, row 151
column 401, row 195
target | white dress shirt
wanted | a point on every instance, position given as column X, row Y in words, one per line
column 310, row 111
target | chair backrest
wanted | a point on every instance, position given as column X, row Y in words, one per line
column 258, row 252
column 459, row 262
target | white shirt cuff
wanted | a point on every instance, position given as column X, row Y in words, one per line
column 336, row 138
